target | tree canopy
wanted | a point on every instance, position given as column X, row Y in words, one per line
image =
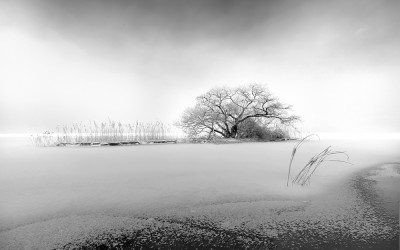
column 222, row 110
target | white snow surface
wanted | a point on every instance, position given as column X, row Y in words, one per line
column 57, row 183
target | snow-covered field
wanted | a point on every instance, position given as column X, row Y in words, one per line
column 50, row 184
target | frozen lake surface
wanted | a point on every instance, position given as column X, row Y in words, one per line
column 64, row 195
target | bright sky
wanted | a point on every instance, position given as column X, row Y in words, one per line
column 336, row 62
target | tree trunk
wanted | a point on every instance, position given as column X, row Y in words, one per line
column 234, row 130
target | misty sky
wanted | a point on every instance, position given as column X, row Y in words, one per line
column 336, row 62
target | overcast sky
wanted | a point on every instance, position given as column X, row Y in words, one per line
column 336, row 62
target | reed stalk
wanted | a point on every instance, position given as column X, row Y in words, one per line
column 294, row 153
column 109, row 131
column 304, row 176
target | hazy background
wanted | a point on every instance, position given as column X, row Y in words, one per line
column 336, row 62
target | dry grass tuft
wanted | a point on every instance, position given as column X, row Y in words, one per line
column 304, row 176
column 294, row 153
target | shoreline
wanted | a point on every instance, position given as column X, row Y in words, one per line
column 380, row 186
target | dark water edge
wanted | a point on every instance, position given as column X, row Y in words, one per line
column 380, row 187
column 380, row 193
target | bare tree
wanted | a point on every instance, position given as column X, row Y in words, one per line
column 222, row 110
